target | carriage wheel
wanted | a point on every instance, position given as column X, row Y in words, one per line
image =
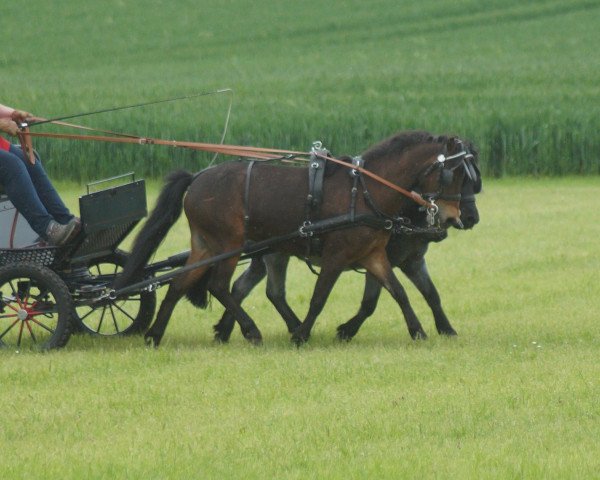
column 123, row 316
column 35, row 308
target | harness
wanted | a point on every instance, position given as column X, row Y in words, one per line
column 313, row 227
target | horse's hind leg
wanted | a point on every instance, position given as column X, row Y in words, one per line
column 241, row 288
column 348, row 330
column 155, row 333
column 417, row 272
column 219, row 288
column 177, row 289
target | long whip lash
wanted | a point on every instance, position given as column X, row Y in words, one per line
column 41, row 121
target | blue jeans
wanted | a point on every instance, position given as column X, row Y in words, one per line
column 30, row 190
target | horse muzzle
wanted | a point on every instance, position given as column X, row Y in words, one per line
column 449, row 216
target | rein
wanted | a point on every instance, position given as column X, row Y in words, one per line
column 412, row 195
column 258, row 153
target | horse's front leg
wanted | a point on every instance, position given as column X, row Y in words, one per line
column 378, row 265
column 323, row 287
column 348, row 330
column 416, row 271
column 277, row 264
column 241, row 288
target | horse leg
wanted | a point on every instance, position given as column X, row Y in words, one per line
column 378, row 265
column 276, row 272
column 177, row 289
column 323, row 287
column 219, row 288
column 241, row 288
column 348, row 330
column 417, row 272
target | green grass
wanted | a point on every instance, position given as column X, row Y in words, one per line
column 514, row 396
column 520, row 79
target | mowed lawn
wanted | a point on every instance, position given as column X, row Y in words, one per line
column 516, row 395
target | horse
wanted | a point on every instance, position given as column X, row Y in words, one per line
column 232, row 204
column 406, row 249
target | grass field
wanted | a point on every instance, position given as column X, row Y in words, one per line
column 518, row 78
column 514, row 396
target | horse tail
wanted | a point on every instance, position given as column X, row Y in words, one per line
column 166, row 212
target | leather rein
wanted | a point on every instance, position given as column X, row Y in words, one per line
column 257, row 153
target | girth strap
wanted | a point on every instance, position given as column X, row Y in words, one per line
column 247, row 199
column 314, row 198
column 316, row 173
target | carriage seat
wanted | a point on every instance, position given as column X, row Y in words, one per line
column 15, row 232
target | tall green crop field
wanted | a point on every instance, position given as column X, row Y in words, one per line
column 520, row 79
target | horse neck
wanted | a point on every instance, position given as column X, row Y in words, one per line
column 402, row 170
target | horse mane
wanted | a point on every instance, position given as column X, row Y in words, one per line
column 400, row 142
column 331, row 167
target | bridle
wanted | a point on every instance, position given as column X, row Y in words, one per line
column 446, row 173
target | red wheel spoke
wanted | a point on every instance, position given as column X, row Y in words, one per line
column 20, row 335
column 9, row 328
column 13, row 308
column 30, row 331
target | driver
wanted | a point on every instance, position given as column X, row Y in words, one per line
column 29, row 188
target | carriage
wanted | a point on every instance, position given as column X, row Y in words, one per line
column 49, row 292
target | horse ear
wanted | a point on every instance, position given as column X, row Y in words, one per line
column 454, row 145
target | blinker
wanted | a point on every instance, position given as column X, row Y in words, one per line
column 446, row 177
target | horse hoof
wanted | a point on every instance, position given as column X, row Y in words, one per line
column 343, row 335
column 299, row 338
column 151, row 341
column 449, row 333
column 254, row 337
column 418, row 335
column 220, row 336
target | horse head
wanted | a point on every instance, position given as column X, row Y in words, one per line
column 441, row 184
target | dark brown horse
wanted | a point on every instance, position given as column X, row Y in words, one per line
column 227, row 208
column 406, row 250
